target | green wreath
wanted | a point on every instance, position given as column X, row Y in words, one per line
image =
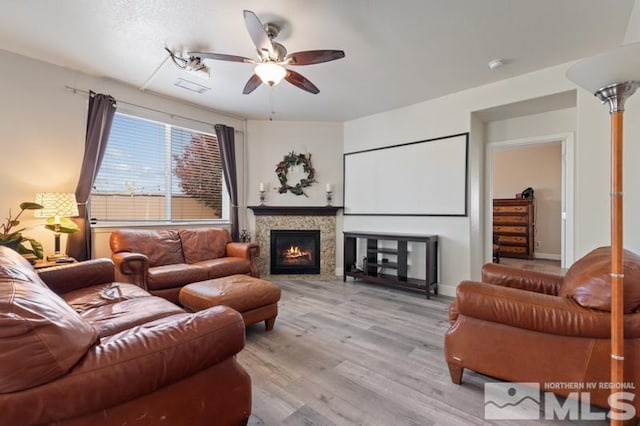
column 282, row 169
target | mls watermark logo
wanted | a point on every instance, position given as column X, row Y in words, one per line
column 524, row 401
column 511, row 401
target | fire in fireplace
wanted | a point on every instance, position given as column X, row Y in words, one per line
column 295, row 252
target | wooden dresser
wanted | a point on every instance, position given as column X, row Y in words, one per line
column 513, row 223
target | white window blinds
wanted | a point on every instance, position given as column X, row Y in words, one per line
column 154, row 171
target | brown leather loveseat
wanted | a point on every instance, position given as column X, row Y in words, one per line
column 77, row 349
column 526, row 326
column 165, row 261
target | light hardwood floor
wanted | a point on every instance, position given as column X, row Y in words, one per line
column 358, row 354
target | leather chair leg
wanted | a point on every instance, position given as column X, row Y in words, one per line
column 269, row 322
column 456, row 373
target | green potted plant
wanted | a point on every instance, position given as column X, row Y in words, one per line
column 14, row 238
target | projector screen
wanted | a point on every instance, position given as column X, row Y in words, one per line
column 426, row 178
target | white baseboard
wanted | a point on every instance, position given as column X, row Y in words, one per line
column 447, row 290
column 547, row 256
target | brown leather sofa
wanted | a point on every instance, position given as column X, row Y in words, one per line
column 525, row 326
column 77, row 350
column 163, row 262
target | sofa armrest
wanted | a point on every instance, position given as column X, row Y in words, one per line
column 535, row 281
column 249, row 251
column 245, row 250
column 135, row 363
column 534, row 311
column 131, row 268
column 73, row 276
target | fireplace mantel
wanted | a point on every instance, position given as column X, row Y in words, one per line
column 294, row 210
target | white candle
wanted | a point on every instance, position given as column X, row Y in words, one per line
column 261, row 186
column 328, row 187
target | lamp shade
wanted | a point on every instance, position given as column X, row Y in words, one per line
column 270, row 73
column 61, row 204
column 616, row 66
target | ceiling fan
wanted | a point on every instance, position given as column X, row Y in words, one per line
column 273, row 58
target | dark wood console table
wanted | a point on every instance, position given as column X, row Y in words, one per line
column 382, row 256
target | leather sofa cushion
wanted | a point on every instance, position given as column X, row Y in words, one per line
column 204, row 243
column 41, row 336
column 178, row 275
column 588, row 281
column 116, row 317
column 162, row 247
column 91, row 297
column 131, row 307
column 226, row 266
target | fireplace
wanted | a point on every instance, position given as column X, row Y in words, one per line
column 295, row 252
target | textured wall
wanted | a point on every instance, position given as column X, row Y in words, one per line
column 327, row 227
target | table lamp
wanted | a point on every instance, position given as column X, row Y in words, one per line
column 57, row 207
column 613, row 76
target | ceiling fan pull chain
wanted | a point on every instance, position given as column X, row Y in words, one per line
column 272, row 100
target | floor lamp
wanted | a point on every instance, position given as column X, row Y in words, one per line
column 612, row 77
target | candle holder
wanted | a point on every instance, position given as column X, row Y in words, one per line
column 262, row 197
column 329, row 197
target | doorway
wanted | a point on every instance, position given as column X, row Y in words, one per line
column 553, row 215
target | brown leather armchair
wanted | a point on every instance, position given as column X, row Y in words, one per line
column 525, row 326
column 78, row 349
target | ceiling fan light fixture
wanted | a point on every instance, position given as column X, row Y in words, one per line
column 270, row 73
column 272, row 58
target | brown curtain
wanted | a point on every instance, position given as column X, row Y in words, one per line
column 226, row 141
column 99, row 119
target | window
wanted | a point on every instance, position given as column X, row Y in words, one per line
column 157, row 172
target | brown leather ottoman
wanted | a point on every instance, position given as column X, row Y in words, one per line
column 255, row 299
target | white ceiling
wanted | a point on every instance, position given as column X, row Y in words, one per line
column 397, row 52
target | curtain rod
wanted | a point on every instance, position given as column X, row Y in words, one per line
column 75, row 90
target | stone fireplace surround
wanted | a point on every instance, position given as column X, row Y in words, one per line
column 297, row 218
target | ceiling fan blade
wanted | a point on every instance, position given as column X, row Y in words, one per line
column 221, row 57
column 314, row 57
column 252, row 84
column 258, row 34
column 301, row 82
